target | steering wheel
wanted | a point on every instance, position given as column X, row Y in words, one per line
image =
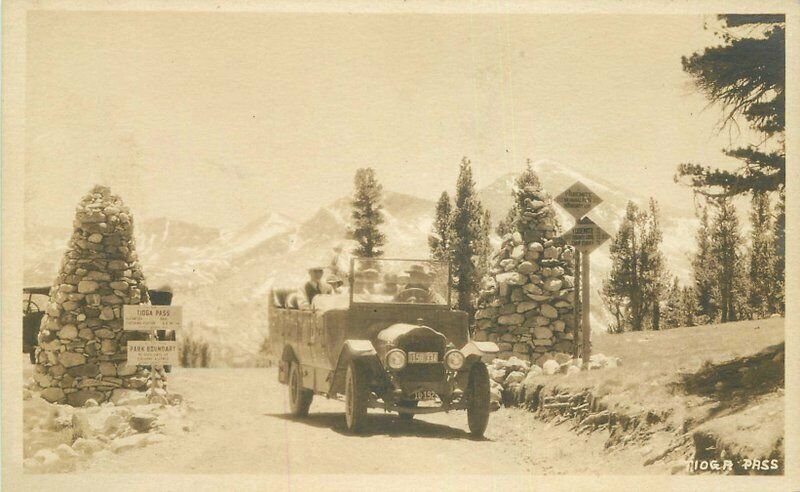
column 29, row 306
column 412, row 295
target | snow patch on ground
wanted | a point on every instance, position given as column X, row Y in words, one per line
column 60, row 438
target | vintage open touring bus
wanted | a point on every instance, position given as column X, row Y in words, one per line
column 388, row 340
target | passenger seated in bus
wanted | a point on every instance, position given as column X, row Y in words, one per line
column 314, row 286
column 335, row 283
column 337, row 296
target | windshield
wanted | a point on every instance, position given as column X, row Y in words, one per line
column 383, row 281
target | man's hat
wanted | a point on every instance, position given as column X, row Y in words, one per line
column 416, row 268
column 333, row 279
column 316, row 269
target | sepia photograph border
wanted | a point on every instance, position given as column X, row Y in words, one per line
column 13, row 185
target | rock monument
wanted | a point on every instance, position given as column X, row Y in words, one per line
column 82, row 346
column 526, row 302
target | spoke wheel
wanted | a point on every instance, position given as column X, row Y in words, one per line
column 356, row 395
column 299, row 397
column 479, row 399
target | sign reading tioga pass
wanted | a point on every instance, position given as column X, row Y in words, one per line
column 145, row 317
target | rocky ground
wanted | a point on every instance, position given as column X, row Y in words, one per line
column 255, row 435
column 648, row 415
column 711, row 393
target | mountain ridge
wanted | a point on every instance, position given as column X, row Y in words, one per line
column 222, row 277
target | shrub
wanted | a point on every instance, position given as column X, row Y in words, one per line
column 194, row 353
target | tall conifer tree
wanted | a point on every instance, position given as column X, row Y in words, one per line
column 367, row 215
column 726, row 243
column 469, row 240
column 637, row 278
column 439, row 241
column 761, row 272
column 703, row 267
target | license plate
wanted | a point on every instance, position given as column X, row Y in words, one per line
column 424, row 395
column 422, row 357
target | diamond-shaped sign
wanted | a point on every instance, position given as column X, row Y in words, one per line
column 578, row 200
column 586, row 236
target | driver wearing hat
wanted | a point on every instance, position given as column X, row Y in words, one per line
column 419, row 287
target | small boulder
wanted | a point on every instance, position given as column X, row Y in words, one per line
column 550, row 367
column 515, row 377
column 79, row 398
column 142, row 422
column 121, row 396
column 53, row 394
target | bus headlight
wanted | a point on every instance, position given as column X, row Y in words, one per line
column 396, row 359
column 454, row 360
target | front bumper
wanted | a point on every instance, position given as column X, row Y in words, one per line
column 402, row 386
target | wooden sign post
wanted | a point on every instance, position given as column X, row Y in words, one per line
column 585, row 236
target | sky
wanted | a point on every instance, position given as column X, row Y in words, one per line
column 218, row 118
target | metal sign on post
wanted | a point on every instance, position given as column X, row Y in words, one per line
column 144, row 317
column 578, row 200
column 154, row 353
column 585, row 236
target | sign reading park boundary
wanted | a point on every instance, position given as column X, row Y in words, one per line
column 152, row 353
column 578, row 200
column 586, row 236
column 145, row 317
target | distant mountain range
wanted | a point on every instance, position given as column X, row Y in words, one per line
column 222, row 277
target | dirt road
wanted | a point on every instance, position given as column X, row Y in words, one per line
column 239, row 423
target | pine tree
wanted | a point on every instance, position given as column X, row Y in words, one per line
column 761, row 271
column 439, row 241
column 674, row 313
column 746, row 76
column 726, row 243
column 525, row 181
column 470, row 239
column 636, row 281
column 654, row 274
column 507, row 225
column 615, row 303
column 689, row 302
column 483, row 246
column 703, row 267
column 779, row 293
column 367, row 215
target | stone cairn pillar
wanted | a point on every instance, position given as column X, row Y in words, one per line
column 526, row 301
column 82, row 347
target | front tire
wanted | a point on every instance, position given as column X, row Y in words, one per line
column 479, row 399
column 299, row 397
column 356, row 396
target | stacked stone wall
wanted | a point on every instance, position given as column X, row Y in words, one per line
column 82, row 349
column 527, row 300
